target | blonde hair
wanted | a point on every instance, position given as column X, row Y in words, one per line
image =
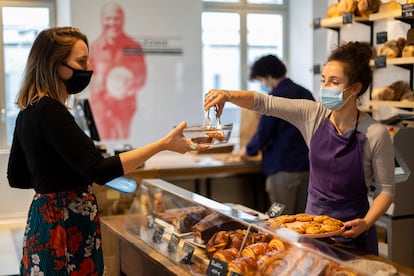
column 50, row 49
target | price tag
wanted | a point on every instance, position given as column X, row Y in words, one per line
column 380, row 62
column 150, row 222
column 173, row 244
column 382, row 37
column 347, row 17
column 275, row 210
column 189, row 250
column 157, row 237
column 216, row 268
column 235, row 274
column 316, row 23
column 407, row 10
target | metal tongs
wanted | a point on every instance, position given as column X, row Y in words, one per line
column 207, row 120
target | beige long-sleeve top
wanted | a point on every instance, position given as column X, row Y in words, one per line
column 307, row 115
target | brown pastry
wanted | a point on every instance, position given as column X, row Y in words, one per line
column 213, row 223
column 367, row 7
column 273, row 263
column 320, row 218
column 277, row 244
column 334, row 269
column 217, row 242
column 310, row 264
column 255, row 250
column 226, row 255
column 236, row 238
column 390, row 6
column 304, row 217
column 245, row 266
column 261, row 237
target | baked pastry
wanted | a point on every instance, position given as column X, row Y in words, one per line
column 367, row 7
column 255, row 250
column 205, row 229
column 245, row 266
column 226, row 255
column 390, row 6
column 340, row 270
column 392, row 48
column 277, row 244
column 217, row 242
column 310, row 264
column 236, row 238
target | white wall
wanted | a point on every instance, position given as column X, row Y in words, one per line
column 300, row 42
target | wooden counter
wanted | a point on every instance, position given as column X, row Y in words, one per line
column 200, row 169
column 126, row 254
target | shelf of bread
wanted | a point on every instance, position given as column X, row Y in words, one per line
column 400, row 104
column 209, row 238
column 337, row 22
column 385, row 15
column 397, row 61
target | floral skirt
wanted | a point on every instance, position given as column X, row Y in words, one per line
column 63, row 235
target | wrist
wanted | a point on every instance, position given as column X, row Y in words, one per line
column 228, row 95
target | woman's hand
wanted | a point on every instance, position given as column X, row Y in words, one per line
column 354, row 228
column 216, row 98
column 176, row 141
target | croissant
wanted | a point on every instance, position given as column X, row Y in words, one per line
column 255, row 250
column 218, row 241
column 226, row 255
column 245, row 266
column 310, row 264
column 261, row 237
column 277, row 244
column 273, row 263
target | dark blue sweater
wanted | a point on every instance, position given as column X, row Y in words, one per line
column 282, row 145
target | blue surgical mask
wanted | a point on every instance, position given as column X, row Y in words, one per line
column 332, row 97
column 264, row 88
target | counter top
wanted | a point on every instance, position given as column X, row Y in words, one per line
column 115, row 226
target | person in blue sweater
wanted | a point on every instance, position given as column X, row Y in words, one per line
column 284, row 152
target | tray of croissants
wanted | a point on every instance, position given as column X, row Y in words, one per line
column 253, row 253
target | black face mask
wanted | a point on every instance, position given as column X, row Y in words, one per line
column 79, row 80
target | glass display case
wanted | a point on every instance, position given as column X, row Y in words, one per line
column 210, row 238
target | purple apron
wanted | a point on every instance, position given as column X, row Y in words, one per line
column 336, row 182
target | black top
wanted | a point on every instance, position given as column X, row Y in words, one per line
column 51, row 153
column 281, row 143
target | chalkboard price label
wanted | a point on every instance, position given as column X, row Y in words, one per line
column 173, row 243
column 189, row 250
column 157, row 237
column 347, row 18
column 407, row 10
column 316, row 23
column 216, row 268
column 380, row 62
column 150, row 223
column 382, row 37
column 275, row 210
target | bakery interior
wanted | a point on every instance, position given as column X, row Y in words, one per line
column 215, row 183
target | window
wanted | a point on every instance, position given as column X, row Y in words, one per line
column 20, row 24
column 234, row 34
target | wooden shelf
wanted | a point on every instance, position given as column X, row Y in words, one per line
column 397, row 61
column 336, row 22
column 399, row 104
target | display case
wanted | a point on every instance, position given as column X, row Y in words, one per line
column 205, row 237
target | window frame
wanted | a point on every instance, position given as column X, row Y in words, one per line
column 15, row 3
column 243, row 8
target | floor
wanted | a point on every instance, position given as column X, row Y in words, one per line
column 11, row 236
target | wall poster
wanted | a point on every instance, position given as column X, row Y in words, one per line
column 146, row 56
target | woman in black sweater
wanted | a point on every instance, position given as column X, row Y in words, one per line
column 51, row 154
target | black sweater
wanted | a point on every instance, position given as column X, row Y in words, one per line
column 50, row 153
